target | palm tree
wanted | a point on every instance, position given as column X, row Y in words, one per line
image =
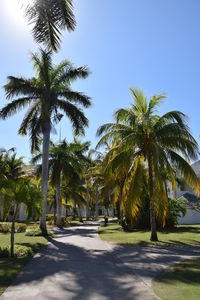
column 49, row 17
column 154, row 142
column 16, row 193
column 47, row 95
column 65, row 162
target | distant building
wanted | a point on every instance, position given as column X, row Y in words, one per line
column 193, row 207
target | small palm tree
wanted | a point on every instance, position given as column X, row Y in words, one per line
column 16, row 193
column 49, row 17
column 158, row 143
column 47, row 95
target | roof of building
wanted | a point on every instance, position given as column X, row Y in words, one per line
column 191, row 198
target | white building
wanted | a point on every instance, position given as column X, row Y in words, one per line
column 193, row 207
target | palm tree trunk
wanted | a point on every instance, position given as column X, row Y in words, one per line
column 119, row 204
column 88, row 205
column 74, row 209
column 54, row 210
column 58, row 202
column 96, row 203
column 154, row 236
column 79, row 214
column 12, row 236
column 45, row 175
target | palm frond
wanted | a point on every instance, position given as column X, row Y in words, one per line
column 76, row 116
column 13, row 107
column 76, row 97
column 49, row 17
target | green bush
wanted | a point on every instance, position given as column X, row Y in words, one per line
column 65, row 220
column 5, row 227
column 20, row 251
column 38, row 232
column 50, row 219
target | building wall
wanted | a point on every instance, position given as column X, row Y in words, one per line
column 192, row 217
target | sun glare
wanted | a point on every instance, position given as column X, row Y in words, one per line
column 14, row 10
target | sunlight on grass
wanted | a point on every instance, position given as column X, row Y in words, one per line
column 181, row 281
column 181, row 235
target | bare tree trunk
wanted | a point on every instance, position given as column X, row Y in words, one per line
column 88, row 205
column 58, row 202
column 45, row 175
column 96, row 203
column 154, row 236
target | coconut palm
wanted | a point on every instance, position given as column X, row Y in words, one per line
column 46, row 95
column 49, row 17
column 154, row 142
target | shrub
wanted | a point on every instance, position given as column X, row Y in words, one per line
column 20, row 251
column 5, row 227
column 50, row 219
column 38, row 232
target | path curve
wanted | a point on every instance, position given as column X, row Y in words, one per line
column 78, row 265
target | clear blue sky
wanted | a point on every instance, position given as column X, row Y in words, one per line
column 149, row 44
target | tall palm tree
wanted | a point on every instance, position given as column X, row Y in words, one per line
column 156, row 142
column 49, row 17
column 47, row 95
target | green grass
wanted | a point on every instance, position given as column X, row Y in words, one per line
column 181, row 235
column 25, row 246
column 179, row 282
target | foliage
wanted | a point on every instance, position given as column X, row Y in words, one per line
column 176, row 209
column 145, row 147
column 38, row 232
column 24, row 245
column 5, row 227
column 47, row 95
column 49, row 17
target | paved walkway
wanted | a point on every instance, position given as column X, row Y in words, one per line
column 77, row 265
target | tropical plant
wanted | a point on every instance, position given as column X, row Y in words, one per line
column 47, row 95
column 48, row 18
column 151, row 143
column 16, row 193
column 65, row 162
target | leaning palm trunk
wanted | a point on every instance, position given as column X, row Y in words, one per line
column 45, row 176
column 154, row 236
column 58, row 203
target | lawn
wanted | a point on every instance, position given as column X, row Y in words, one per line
column 181, row 281
column 26, row 246
column 181, row 235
